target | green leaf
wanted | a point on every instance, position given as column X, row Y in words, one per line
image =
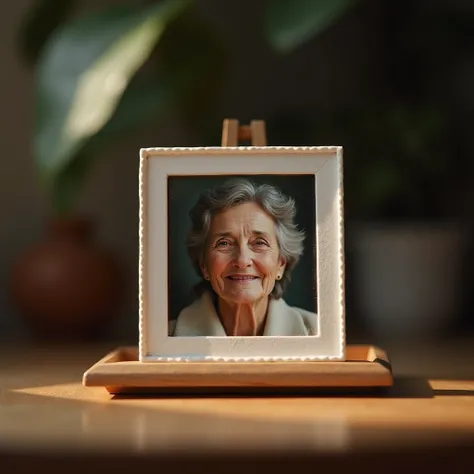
column 84, row 72
column 143, row 99
column 39, row 23
column 178, row 77
column 289, row 23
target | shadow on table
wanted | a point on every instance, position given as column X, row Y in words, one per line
column 453, row 393
column 417, row 387
column 403, row 387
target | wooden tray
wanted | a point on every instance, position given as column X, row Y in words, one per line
column 121, row 372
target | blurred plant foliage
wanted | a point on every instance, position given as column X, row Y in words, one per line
column 401, row 162
column 402, row 136
column 105, row 73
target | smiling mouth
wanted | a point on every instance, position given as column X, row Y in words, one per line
column 241, row 277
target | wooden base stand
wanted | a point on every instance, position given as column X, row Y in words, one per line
column 121, row 372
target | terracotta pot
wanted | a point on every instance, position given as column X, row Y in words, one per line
column 67, row 286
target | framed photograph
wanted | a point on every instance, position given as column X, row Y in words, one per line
column 241, row 254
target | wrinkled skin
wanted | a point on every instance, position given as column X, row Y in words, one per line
column 242, row 261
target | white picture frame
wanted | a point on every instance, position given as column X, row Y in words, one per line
column 157, row 165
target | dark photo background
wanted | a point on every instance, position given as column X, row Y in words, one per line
column 184, row 191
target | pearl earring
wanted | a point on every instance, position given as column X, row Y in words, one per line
column 278, row 277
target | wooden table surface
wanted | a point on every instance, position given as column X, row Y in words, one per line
column 46, row 415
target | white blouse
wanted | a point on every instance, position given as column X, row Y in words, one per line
column 200, row 319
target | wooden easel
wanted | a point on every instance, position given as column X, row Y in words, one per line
column 233, row 132
column 365, row 367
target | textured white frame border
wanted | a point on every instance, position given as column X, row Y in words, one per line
column 156, row 164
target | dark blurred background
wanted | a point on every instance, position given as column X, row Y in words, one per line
column 390, row 81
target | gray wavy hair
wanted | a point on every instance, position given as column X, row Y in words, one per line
column 239, row 191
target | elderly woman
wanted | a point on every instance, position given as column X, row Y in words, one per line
column 244, row 245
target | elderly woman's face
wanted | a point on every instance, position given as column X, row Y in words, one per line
column 242, row 257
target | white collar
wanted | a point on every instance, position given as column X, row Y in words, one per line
column 201, row 319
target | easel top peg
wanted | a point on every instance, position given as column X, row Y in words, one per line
column 233, row 133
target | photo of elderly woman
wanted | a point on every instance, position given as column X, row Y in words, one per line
column 243, row 239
